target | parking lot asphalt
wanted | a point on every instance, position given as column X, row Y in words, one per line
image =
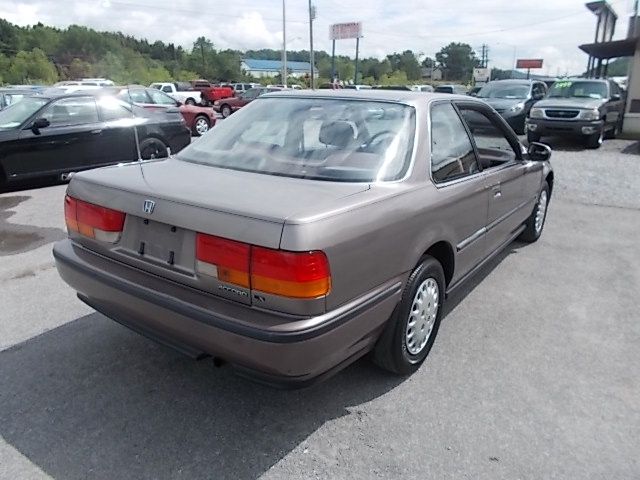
column 534, row 374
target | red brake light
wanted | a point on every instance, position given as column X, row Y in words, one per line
column 290, row 274
column 93, row 221
column 227, row 260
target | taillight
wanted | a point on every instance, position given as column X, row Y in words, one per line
column 227, row 260
column 278, row 272
column 290, row 274
column 93, row 221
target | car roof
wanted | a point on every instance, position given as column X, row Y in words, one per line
column 516, row 81
column 397, row 96
column 580, row 79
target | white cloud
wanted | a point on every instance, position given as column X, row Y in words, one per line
column 545, row 28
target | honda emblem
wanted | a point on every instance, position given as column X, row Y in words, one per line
column 148, row 206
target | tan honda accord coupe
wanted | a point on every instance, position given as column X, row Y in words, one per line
column 307, row 230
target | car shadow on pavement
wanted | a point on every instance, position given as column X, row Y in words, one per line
column 91, row 399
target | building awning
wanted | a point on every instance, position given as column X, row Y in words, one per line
column 614, row 49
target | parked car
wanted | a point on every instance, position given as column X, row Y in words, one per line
column 454, row 88
column 209, row 92
column 51, row 135
column 422, row 88
column 229, row 105
column 199, row 119
column 393, row 87
column 306, row 230
column 358, row 87
column 239, row 88
column 513, row 99
column 473, row 91
column 9, row 96
column 586, row 108
column 87, row 82
column 180, row 91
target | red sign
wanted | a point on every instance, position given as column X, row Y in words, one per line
column 529, row 63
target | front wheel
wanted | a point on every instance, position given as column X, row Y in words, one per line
column 535, row 222
column 595, row 141
column 201, row 125
column 225, row 110
column 413, row 326
column 153, row 148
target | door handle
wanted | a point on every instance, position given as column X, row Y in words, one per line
column 497, row 192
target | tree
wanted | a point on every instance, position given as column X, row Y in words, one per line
column 79, row 69
column 458, row 61
column 32, row 67
column 428, row 62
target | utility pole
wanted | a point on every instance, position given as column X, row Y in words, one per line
column 312, row 16
column 284, row 44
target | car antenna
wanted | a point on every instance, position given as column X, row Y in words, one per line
column 135, row 124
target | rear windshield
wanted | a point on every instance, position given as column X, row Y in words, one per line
column 319, row 139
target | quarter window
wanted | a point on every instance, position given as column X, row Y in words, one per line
column 452, row 154
column 72, row 111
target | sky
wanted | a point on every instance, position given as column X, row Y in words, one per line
column 547, row 29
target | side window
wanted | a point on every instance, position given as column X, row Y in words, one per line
column 112, row 109
column 166, row 89
column 137, row 95
column 160, row 98
column 452, row 154
column 72, row 111
column 491, row 141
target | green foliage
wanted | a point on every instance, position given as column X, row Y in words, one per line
column 31, row 67
column 458, row 61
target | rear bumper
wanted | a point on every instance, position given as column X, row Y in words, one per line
column 564, row 127
column 276, row 349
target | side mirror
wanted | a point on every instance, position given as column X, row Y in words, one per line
column 39, row 123
column 539, row 152
column 178, row 104
column 615, row 96
column 538, row 96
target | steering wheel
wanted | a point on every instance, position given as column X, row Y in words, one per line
column 380, row 137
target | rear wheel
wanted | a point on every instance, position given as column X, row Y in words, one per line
column 413, row 326
column 151, row 148
column 190, row 101
column 535, row 222
column 595, row 141
column 225, row 110
column 201, row 125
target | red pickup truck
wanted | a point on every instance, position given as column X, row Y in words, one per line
column 210, row 93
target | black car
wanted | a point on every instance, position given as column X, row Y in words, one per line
column 50, row 135
column 513, row 99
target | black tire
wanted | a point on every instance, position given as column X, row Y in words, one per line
column 391, row 351
column 594, row 141
column 190, row 101
column 151, row 148
column 203, row 119
column 533, row 137
column 531, row 233
column 225, row 111
column 613, row 133
column 520, row 129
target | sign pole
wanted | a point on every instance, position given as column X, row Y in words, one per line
column 333, row 61
column 284, row 45
column 355, row 80
column 528, row 72
column 312, row 15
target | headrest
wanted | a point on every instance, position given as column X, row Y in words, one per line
column 337, row 133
